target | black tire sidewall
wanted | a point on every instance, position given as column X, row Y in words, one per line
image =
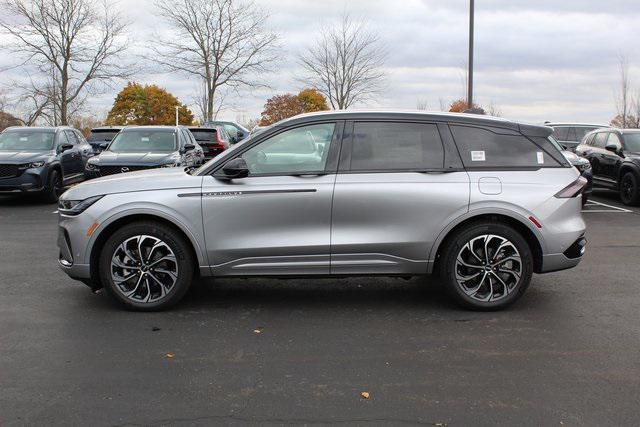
column 178, row 245
column 635, row 196
column 50, row 195
column 463, row 236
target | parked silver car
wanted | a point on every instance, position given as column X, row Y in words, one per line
column 483, row 202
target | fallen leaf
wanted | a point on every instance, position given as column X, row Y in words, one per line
column 169, row 355
column 155, row 329
column 257, row 331
column 365, row 394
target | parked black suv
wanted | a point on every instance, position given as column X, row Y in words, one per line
column 615, row 159
column 213, row 139
column 100, row 137
column 146, row 147
column 44, row 160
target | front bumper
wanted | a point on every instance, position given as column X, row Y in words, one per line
column 588, row 174
column 30, row 180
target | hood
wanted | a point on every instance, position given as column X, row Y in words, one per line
column 111, row 158
column 572, row 158
column 145, row 180
column 18, row 157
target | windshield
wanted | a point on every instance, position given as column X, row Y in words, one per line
column 632, row 142
column 144, row 140
column 102, row 135
column 27, row 140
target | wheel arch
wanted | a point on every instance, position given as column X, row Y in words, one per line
column 110, row 228
column 524, row 229
column 628, row 167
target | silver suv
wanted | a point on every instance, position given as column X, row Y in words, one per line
column 483, row 202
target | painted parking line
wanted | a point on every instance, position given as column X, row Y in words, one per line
column 607, row 208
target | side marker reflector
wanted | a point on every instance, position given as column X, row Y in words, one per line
column 535, row 222
column 91, row 229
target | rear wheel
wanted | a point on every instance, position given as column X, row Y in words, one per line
column 146, row 266
column 629, row 192
column 53, row 189
column 486, row 266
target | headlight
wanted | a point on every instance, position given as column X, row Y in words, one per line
column 31, row 165
column 91, row 167
column 583, row 165
column 76, row 207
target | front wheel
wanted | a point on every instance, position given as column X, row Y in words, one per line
column 53, row 189
column 486, row 266
column 629, row 193
column 146, row 266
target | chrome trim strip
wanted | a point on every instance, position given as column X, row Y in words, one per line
column 245, row 192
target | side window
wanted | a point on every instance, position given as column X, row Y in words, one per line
column 483, row 148
column 300, row 150
column 379, row 146
column 613, row 139
column 231, row 130
column 63, row 139
column 588, row 139
column 72, row 137
column 561, row 133
column 600, row 139
column 80, row 136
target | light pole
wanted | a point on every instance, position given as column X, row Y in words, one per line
column 470, row 73
column 177, row 107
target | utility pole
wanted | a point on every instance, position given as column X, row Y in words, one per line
column 470, row 73
column 177, row 107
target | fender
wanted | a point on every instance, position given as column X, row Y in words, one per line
column 146, row 208
column 514, row 212
column 626, row 165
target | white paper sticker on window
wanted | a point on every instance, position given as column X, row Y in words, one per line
column 24, row 138
column 145, row 139
column 477, row 156
column 540, row 157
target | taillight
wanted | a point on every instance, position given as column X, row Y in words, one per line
column 221, row 143
column 573, row 189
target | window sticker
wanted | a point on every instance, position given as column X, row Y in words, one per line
column 24, row 138
column 540, row 155
column 477, row 156
column 145, row 139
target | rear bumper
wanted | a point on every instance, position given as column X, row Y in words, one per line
column 568, row 259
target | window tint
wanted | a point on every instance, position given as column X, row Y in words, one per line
column 395, row 146
column 632, row 142
column 63, row 139
column 613, row 139
column 560, row 133
column 484, row 148
column 600, row 140
column 299, row 150
column 552, row 148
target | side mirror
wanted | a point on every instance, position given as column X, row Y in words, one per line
column 613, row 147
column 233, row 140
column 64, row 147
column 236, row 168
column 103, row 145
column 239, row 136
column 189, row 147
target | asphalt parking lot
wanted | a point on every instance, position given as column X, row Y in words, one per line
column 277, row 352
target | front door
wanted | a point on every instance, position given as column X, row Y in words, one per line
column 278, row 219
column 392, row 198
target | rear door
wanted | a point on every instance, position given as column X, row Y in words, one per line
column 393, row 196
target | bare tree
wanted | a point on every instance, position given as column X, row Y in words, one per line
column 345, row 63
column 224, row 42
column 74, row 44
column 422, row 104
column 623, row 97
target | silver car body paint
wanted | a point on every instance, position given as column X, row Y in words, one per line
column 325, row 224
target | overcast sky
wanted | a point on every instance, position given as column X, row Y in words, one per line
column 535, row 60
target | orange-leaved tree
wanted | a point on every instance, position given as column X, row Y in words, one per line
column 288, row 105
column 147, row 105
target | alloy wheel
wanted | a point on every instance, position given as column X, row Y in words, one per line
column 627, row 188
column 488, row 268
column 144, row 269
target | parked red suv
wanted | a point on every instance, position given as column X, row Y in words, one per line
column 213, row 140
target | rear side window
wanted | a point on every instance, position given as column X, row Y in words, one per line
column 205, row 136
column 600, row 140
column 380, row 146
column 483, row 148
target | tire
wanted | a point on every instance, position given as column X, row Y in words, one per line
column 53, row 189
column 629, row 191
column 484, row 291
column 585, row 199
column 160, row 280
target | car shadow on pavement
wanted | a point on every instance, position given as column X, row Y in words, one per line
column 378, row 293
column 20, row 200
